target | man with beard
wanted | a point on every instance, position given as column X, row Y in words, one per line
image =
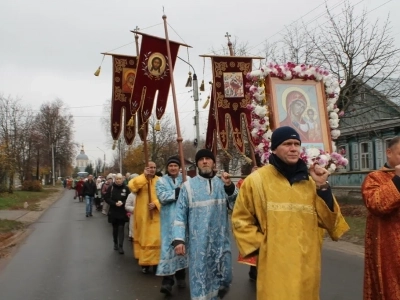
column 201, row 226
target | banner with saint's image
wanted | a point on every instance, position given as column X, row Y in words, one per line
column 231, row 97
column 124, row 74
column 153, row 74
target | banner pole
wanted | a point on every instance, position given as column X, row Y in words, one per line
column 146, row 159
column 145, row 148
column 179, row 138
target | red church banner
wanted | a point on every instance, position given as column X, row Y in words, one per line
column 153, row 74
column 124, row 73
column 231, row 98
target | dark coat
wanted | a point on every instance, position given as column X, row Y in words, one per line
column 114, row 193
column 89, row 188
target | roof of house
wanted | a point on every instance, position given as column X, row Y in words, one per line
column 388, row 87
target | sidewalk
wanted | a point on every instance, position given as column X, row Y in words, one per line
column 30, row 216
column 12, row 214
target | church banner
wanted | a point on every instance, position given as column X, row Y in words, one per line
column 124, row 73
column 231, row 97
column 153, row 74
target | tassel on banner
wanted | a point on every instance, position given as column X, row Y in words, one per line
column 202, row 89
column 157, row 127
column 130, row 122
column 114, row 144
column 227, row 154
column 97, row 73
column 247, row 159
column 206, row 103
column 189, row 80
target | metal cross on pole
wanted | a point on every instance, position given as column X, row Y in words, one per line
column 227, row 35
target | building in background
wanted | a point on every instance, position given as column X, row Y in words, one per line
column 82, row 160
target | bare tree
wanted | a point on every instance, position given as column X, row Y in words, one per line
column 362, row 55
column 53, row 127
column 15, row 131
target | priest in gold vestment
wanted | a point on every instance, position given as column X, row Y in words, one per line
column 381, row 194
column 147, row 237
column 278, row 215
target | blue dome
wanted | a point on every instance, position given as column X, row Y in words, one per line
column 82, row 155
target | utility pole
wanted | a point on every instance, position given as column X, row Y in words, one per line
column 196, row 103
column 52, row 163
column 104, row 162
column 196, row 108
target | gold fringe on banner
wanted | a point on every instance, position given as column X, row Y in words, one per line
column 206, row 103
column 157, row 127
column 189, row 80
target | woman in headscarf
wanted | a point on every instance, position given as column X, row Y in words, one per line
column 130, row 206
column 116, row 197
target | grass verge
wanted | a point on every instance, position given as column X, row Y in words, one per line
column 356, row 234
column 17, row 199
column 10, row 225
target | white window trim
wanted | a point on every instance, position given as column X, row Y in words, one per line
column 369, row 155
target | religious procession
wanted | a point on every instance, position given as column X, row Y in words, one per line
column 283, row 120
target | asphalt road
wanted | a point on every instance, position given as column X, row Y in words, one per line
column 69, row 257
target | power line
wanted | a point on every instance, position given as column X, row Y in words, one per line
column 336, row 5
column 281, row 48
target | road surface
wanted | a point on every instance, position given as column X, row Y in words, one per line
column 68, row 257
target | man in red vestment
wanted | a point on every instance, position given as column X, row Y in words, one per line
column 381, row 194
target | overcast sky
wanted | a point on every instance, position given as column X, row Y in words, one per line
column 50, row 49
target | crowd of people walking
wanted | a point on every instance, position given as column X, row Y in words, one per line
column 279, row 214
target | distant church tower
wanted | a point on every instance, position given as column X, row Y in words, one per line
column 82, row 160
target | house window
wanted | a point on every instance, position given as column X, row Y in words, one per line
column 366, row 156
